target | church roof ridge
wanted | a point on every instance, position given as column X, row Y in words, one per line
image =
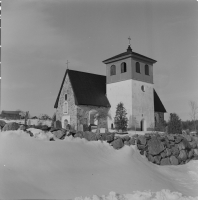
column 85, row 72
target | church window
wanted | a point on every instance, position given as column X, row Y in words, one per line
column 113, row 70
column 65, row 97
column 146, row 69
column 123, row 67
column 137, row 67
column 65, row 107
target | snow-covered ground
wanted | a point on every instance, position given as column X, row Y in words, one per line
column 64, row 169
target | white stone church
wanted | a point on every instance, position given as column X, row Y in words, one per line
column 129, row 79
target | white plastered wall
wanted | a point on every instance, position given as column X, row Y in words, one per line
column 143, row 104
column 120, row 92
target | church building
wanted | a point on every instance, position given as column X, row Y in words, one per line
column 129, row 79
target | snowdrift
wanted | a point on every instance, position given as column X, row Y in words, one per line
column 64, row 169
column 161, row 195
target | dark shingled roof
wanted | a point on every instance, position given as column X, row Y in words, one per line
column 158, row 106
column 131, row 53
column 89, row 89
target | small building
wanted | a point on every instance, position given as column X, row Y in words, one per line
column 129, row 79
column 10, row 114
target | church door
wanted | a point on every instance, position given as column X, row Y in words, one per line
column 65, row 120
column 143, row 125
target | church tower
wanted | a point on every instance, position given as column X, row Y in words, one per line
column 129, row 79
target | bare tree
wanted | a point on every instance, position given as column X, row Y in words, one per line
column 193, row 112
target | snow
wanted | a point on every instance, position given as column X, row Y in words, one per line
column 161, row 195
column 33, row 167
column 42, row 135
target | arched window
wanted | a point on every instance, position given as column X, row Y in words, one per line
column 146, row 69
column 137, row 65
column 123, row 67
column 65, row 107
column 113, row 70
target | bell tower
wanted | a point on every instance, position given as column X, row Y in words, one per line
column 129, row 79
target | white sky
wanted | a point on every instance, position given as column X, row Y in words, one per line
column 39, row 36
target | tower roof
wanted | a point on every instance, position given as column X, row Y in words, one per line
column 127, row 54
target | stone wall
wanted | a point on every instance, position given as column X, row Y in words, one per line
column 168, row 149
column 72, row 108
column 158, row 149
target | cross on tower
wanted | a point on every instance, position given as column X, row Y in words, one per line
column 129, row 38
column 67, row 63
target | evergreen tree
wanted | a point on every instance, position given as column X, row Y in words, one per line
column 120, row 119
column 174, row 124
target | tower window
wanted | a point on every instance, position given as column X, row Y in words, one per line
column 123, row 67
column 137, row 67
column 146, row 69
column 65, row 97
column 113, row 70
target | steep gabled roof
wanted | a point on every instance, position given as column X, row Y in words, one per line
column 129, row 53
column 158, row 106
column 89, row 89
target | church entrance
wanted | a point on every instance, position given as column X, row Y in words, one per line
column 143, row 125
column 92, row 117
column 65, row 121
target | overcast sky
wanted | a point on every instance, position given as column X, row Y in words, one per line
column 39, row 36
